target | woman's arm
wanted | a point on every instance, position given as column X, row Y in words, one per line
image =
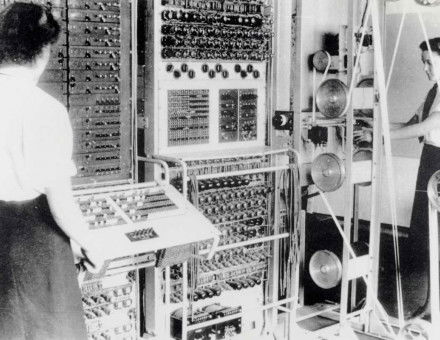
column 69, row 218
column 416, row 130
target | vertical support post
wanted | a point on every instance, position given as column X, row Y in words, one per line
column 348, row 187
column 375, row 228
column 134, row 87
column 381, row 98
column 154, row 310
column 434, row 267
column 167, row 292
column 150, row 102
column 271, row 316
column 297, row 83
column 185, row 302
column 297, row 129
column 353, row 285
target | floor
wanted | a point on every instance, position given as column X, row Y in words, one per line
column 322, row 234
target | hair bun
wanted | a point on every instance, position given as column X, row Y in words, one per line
column 25, row 28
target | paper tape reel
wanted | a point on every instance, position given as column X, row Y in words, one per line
column 328, row 172
column 332, row 98
column 325, row 269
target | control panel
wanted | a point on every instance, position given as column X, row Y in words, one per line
column 89, row 72
column 134, row 223
column 141, row 218
column 211, row 60
column 219, row 30
column 188, row 117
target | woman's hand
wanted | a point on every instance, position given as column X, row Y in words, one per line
column 93, row 260
column 77, row 252
column 90, row 260
column 365, row 134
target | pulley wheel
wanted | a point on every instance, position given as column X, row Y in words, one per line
column 434, row 190
column 320, row 60
column 332, row 98
column 328, row 172
column 325, row 269
column 416, row 329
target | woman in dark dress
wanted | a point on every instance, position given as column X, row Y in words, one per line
column 425, row 125
column 39, row 292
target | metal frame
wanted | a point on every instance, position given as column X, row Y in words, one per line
column 366, row 316
column 273, row 304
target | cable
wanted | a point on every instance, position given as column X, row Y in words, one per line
column 396, row 45
column 363, row 16
column 378, row 59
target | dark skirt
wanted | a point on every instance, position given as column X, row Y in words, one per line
column 418, row 240
column 39, row 293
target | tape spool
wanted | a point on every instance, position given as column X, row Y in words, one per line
column 325, row 269
column 321, row 60
column 332, row 98
column 433, row 190
column 416, row 329
column 328, row 172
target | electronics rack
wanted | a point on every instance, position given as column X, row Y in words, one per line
column 207, row 86
column 90, row 73
column 237, row 191
column 137, row 224
column 205, row 112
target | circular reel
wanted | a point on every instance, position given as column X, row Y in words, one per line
column 321, row 60
column 434, row 190
column 416, row 329
column 325, row 269
column 328, row 172
column 332, row 98
column 428, row 2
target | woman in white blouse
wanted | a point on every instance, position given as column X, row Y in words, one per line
column 39, row 293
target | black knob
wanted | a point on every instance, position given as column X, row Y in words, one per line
column 218, row 68
column 237, row 68
column 256, row 74
column 184, row 67
column 243, row 74
column 205, row 68
column 169, row 67
column 225, row 74
column 191, row 74
column 211, row 74
column 250, row 68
